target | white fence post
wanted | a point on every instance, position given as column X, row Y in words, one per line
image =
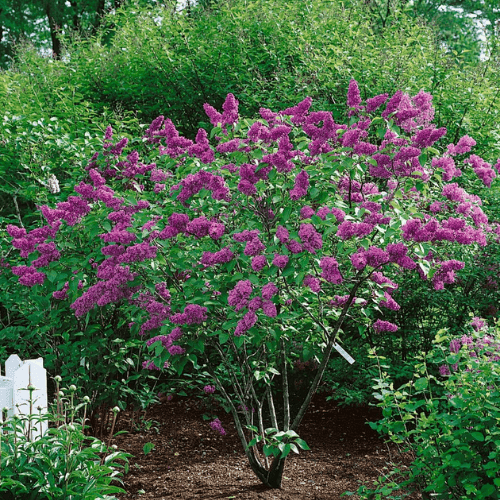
column 14, row 393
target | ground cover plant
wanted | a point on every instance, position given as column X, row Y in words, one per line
column 62, row 464
column 447, row 416
column 246, row 256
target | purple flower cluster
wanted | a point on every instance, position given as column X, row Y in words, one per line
column 201, row 149
column 330, row 269
column 149, row 365
column 301, row 185
column 348, row 230
column 446, row 273
column 373, row 257
column 312, row 282
column 194, row 183
column 464, row 145
column 193, row 314
column 389, row 302
column 239, row 296
column 478, row 323
column 245, row 323
column 281, row 159
column 280, row 261
column 482, row 169
column 28, row 275
column 216, row 425
column 259, row 262
column 220, row 257
column 209, row 389
column 340, row 301
column 229, row 116
column 384, row 326
column 311, row 239
column 282, row 234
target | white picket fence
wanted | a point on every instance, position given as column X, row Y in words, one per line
column 14, row 393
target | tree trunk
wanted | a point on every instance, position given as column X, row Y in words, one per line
column 50, row 11
column 276, row 473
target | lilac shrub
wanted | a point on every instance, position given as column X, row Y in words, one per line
column 226, row 248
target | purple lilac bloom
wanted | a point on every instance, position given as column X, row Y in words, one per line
column 341, row 300
column 239, row 296
column 28, row 276
column 312, row 282
column 446, row 273
column 375, row 102
column 255, row 304
column 280, row 261
column 478, row 323
column 311, row 239
column 294, row 246
column 216, row 230
column 176, row 350
column 216, row 425
column 254, row 247
column 353, row 96
column 209, row 389
column 348, row 229
column 330, row 269
column 246, row 235
column 269, row 290
column 149, row 365
column 389, row 303
column 455, row 346
column 164, row 339
column 323, row 212
column 221, row 257
column 282, row 234
column 453, row 192
column 464, row 145
column 306, row 212
column 61, row 294
column 301, row 185
column 259, row 262
column 269, row 309
column 193, row 314
column 384, row 326
column 444, row 370
column 393, row 104
column 245, row 323
column 199, row 227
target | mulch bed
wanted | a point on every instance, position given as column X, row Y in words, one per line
column 191, row 461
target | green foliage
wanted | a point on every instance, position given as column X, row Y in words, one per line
column 62, row 464
column 44, row 131
column 99, row 353
column 450, row 423
column 154, row 61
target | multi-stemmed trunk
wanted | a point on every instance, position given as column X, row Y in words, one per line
column 272, row 475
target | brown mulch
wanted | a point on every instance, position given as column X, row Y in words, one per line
column 191, row 461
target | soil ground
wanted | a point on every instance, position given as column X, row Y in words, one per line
column 192, row 461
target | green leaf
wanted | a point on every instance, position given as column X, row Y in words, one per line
column 421, row 384
column 268, row 450
column 285, row 215
column 302, row 444
column 223, row 337
column 487, row 490
column 478, row 436
column 285, row 449
column 147, row 448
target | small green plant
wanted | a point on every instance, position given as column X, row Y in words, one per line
column 62, row 464
column 277, row 442
column 448, row 417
